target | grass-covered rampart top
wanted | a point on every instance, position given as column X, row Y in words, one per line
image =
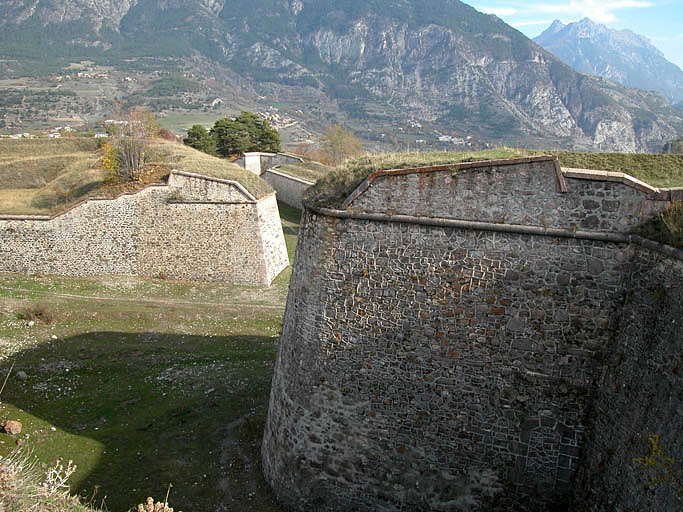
column 659, row 170
column 46, row 176
column 184, row 158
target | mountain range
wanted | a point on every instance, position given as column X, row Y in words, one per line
column 378, row 62
column 619, row 55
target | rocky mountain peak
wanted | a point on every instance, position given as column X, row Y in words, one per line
column 619, row 55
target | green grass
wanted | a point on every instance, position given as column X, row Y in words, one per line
column 659, row 170
column 145, row 382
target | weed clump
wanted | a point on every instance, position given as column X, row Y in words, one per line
column 38, row 313
column 150, row 506
column 667, row 227
column 24, row 489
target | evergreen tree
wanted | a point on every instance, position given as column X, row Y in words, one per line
column 247, row 132
column 199, row 138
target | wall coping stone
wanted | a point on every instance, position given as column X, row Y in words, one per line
column 234, row 183
column 504, row 228
column 619, row 177
column 266, row 153
column 285, row 175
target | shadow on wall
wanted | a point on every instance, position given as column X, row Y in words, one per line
column 137, row 411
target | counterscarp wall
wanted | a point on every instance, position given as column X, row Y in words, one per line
column 195, row 228
column 289, row 188
column 434, row 336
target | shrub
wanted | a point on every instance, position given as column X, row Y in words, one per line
column 38, row 313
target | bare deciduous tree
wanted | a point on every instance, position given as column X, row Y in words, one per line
column 131, row 137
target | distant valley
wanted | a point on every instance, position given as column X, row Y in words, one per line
column 403, row 75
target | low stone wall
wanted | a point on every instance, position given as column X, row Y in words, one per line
column 289, row 188
column 194, row 228
column 257, row 162
column 433, row 338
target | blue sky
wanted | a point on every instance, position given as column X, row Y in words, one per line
column 659, row 20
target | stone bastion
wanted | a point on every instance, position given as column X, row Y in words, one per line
column 193, row 227
column 484, row 333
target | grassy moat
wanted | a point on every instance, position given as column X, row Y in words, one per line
column 144, row 383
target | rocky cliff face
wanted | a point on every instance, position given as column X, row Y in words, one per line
column 619, row 55
column 434, row 60
column 90, row 13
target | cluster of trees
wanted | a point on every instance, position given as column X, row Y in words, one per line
column 246, row 132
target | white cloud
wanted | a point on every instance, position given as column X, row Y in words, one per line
column 531, row 23
column 596, row 10
column 499, row 11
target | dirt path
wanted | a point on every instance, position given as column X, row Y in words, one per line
column 145, row 300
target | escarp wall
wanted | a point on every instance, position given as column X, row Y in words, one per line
column 194, row 227
column 447, row 329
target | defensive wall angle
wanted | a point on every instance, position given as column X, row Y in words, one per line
column 267, row 166
column 453, row 325
column 194, row 227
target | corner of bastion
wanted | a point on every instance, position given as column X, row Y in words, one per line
column 193, row 227
column 487, row 334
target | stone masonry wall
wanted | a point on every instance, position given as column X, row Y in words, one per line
column 522, row 191
column 640, row 394
column 424, row 353
column 195, row 228
column 289, row 188
column 418, row 357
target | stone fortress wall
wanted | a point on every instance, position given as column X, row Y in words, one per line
column 289, row 188
column 194, row 227
column 454, row 321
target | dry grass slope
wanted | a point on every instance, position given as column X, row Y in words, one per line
column 45, row 176
column 184, row 158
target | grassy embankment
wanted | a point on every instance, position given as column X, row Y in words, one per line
column 144, row 382
column 45, row 176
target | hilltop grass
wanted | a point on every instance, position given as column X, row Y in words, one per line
column 188, row 159
column 142, row 383
column 659, row 170
column 46, row 176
